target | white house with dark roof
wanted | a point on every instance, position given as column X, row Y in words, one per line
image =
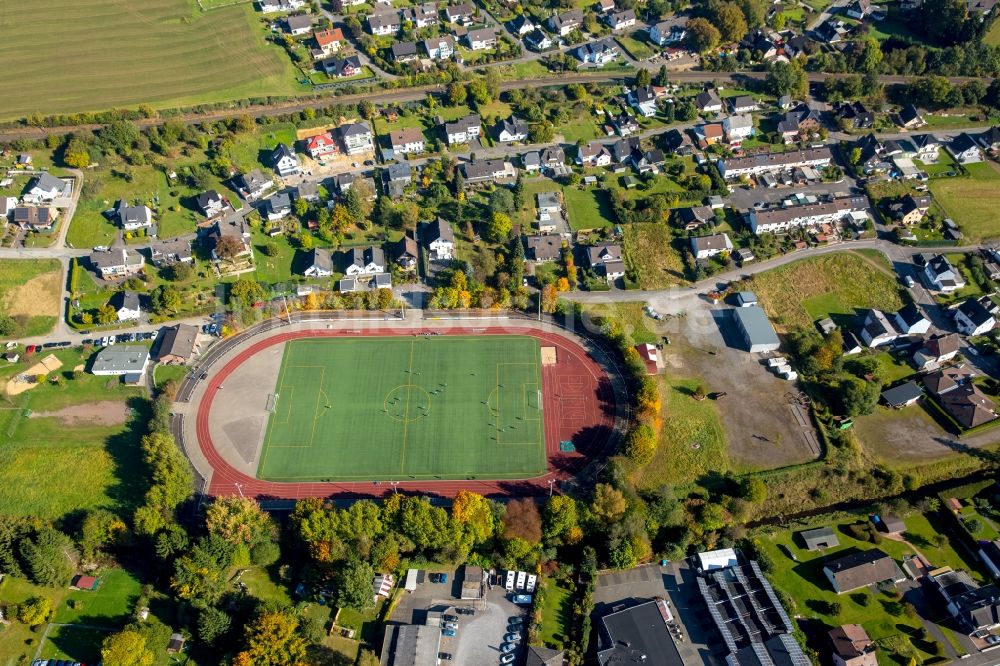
column 606, row 259
column 254, row 184
column 45, row 188
column 965, row 149
column 278, row 207
column 878, row 330
column 620, row 20
column 708, row 102
column 481, row 39
column 274, row 6
column 911, row 321
column 941, row 275
column 565, row 23
column 320, row 264
column 704, row 247
column 422, row 16
column 299, row 24
column 357, row 138
column 407, row 140
column 384, row 24
column 462, row 13
column 666, row 33
column 511, row 130
column 117, row 263
column 132, row 218
column 440, row 240
column 972, row 318
column 284, row 161
column 440, row 48
column 598, row 53
column 127, row 305
column 211, row 203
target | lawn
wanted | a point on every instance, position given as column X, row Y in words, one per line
column 101, row 458
column 588, row 208
column 635, row 44
column 165, row 373
column 30, row 291
column 426, row 407
column 971, row 201
column 993, row 36
column 112, row 603
column 921, row 530
column 557, row 613
column 166, row 53
column 802, row 580
column 837, row 285
column 649, row 252
column 893, row 368
column 80, row 644
column 692, row 442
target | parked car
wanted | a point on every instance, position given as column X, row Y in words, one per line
column 443, row 578
column 507, row 659
column 445, row 656
column 87, row 341
column 449, row 618
column 908, row 281
column 465, row 611
column 30, row 349
column 515, row 621
column 449, row 633
column 512, row 638
column 508, row 647
column 433, row 577
column 451, row 625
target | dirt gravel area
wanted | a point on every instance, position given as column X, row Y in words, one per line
column 104, row 413
column 762, row 431
column 909, row 434
column 480, row 637
column 38, row 297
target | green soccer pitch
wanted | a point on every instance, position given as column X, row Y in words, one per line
column 417, row 407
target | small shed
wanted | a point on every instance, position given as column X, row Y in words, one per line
column 953, row 504
column 893, row 525
column 411, row 580
column 819, row 538
column 88, row 583
column 826, row 326
column 176, row 643
column 900, row 396
column 745, row 299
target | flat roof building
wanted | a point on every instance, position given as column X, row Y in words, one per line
column 125, row 360
column 638, row 635
column 411, row 645
column 757, row 332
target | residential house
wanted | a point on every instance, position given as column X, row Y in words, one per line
column 521, row 25
column 742, row 104
column 307, row 190
column 677, row 142
column 117, row 262
column 791, row 215
column 481, row 39
column 621, row 150
column 284, row 161
column 606, row 259
column 7, row 206
column 975, row 609
column 171, row 252
column 407, row 141
column 647, row 161
column 395, row 178
column 44, row 189
column 819, row 538
column 708, row 102
column 422, row 16
column 941, row 275
column 126, row 303
column 488, row 171
column 598, row 53
column 704, row 247
column 542, row 248
column 666, row 33
column 644, row 100
column 759, row 163
column 384, row 23
column 911, row 321
column 328, row 42
column 709, row 134
column 440, row 48
column 565, row 23
column 234, row 227
column 254, row 184
column 832, row 31
column 341, row 68
column 926, row 146
column 553, row 160
column 855, row 115
column 341, row 5
column 176, row 344
column 212, row 204
column 357, row 138
column 910, row 117
column 34, row 218
column 320, row 264
column 463, row 130
column 625, row 124
column 859, row 9
column 510, row 130
column 299, row 24
column 532, row 161
column 877, row 329
column 273, row 6
column 620, row 20
column 738, row 128
column 852, row 646
column 990, row 139
column 405, row 252
column 910, row 209
column 937, row 350
column 440, row 240
column 593, row 154
column 403, row 52
column 903, row 395
column 959, row 397
column 133, row 217
column 965, row 149
column 762, row 43
column 278, row 207
column 862, row 569
column 604, row 6
column 972, row 318
column 321, row 146
column 365, row 261
column 462, row 13
column 538, row 40
column 694, row 217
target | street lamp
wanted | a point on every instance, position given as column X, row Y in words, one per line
column 551, row 482
column 395, row 491
column 239, row 487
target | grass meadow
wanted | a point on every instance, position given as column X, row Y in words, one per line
column 837, row 285
column 588, row 208
column 650, row 253
column 29, row 292
column 971, row 201
column 117, row 53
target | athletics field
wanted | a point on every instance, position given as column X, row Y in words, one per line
column 399, row 408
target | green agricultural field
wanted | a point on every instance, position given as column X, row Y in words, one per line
column 113, row 53
column 29, row 292
column 837, row 285
column 971, row 201
column 407, row 407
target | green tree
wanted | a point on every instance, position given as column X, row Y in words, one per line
column 50, row 557
column 273, row 639
column 480, row 91
column 754, row 489
column 702, row 36
column 755, row 12
column 643, row 78
column 476, row 513
column 172, row 483
column 200, row 575
column 502, row 201
column 239, row 520
column 106, row 314
column 246, row 292
column 640, row 444
column 166, row 299
column 212, row 623
column 270, row 249
column 457, row 93
column 559, row 517
column 354, row 585
column 126, row 648
column 609, row 503
column 787, row 78
column 858, row 397
column 871, row 57
column 731, row 22
column 499, row 227
column 77, row 159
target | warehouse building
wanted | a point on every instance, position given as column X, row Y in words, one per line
column 757, row 332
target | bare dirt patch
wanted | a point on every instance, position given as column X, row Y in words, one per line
column 38, row 297
column 104, row 413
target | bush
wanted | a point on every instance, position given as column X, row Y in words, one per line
column 270, row 249
column 265, row 553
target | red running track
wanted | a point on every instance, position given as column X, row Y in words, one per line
column 578, row 400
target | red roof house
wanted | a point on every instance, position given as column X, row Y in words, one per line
column 321, row 145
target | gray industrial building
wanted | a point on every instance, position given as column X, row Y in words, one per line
column 757, row 332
